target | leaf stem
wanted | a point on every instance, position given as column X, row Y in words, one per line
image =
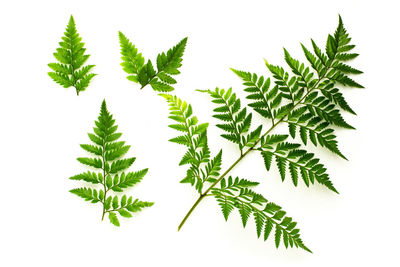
column 104, row 180
column 190, row 211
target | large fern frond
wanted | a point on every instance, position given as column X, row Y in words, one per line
column 107, row 157
column 313, row 102
column 232, row 193
column 168, row 65
column 309, row 101
column 71, row 56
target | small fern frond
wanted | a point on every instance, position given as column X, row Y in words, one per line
column 236, row 121
column 289, row 155
column 212, row 168
column 264, row 99
column 71, row 57
column 291, row 87
column 108, row 158
column 195, row 139
column 334, row 95
column 313, row 128
column 320, row 106
column 168, row 65
column 235, row 194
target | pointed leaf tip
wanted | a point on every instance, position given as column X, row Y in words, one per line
column 71, row 20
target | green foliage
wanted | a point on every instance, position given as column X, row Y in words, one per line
column 233, row 193
column 71, row 56
column 194, row 136
column 265, row 99
column 108, row 158
column 289, row 155
column 306, row 98
column 236, row 194
column 236, row 121
column 167, row 64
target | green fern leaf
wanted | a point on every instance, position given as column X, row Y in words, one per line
column 313, row 127
column 71, row 56
column 264, row 99
column 195, row 139
column 168, row 65
column 108, row 160
column 90, row 177
column 289, row 155
column 236, row 120
column 123, row 180
column 86, row 193
column 266, row 218
column 307, row 99
column 113, row 218
column 132, row 61
column 212, row 168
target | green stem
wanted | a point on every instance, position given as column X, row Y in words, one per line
column 190, row 211
column 104, row 181
column 222, row 176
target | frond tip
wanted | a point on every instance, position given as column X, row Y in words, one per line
column 71, row 56
column 108, row 155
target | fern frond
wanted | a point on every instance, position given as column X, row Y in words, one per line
column 88, row 194
column 132, row 61
column 267, row 215
column 307, row 99
column 212, row 168
column 291, row 87
column 289, row 155
column 313, row 128
column 71, row 57
column 264, row 99
column 234, row 193
column 335, row 96
column 236, row 121
column 194, row 137
column 320, row 106
column 108, row 159
column 90, row 177
column 122, row 181
column 168, row 65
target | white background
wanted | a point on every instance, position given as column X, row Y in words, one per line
column 42, row 224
